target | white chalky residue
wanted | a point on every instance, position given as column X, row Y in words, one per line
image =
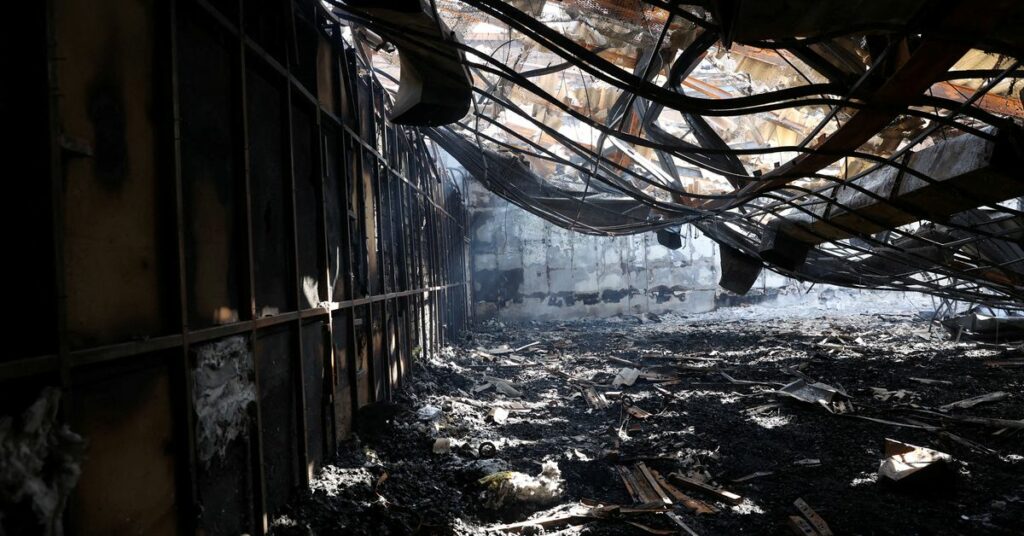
column 222, row 391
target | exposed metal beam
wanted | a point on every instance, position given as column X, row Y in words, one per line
column 966, row 172
column 910, row 80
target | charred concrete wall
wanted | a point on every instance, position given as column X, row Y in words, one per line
column 220, row 251
column 526, row 268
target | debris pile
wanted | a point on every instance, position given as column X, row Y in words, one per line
column 711, row 425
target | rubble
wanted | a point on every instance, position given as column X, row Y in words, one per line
column 506, row 487
column 719, row 442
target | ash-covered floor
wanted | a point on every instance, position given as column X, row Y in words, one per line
column 717, row 428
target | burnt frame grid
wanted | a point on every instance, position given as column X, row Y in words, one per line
column 395, row 287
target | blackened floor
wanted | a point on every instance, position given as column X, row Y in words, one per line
column 709, row 384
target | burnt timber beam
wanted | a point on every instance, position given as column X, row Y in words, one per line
column 966, row 172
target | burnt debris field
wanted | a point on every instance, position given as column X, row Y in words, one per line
column 720, row 424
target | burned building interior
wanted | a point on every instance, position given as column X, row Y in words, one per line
column 460, row 267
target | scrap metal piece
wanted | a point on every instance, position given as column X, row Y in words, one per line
column 928, row 381
column 801, row 527
column 644, row 486
column 637, row 412
column 525, row 346
column 504, row 387
column 680, row 523
column 975, row 400
column 811, row 392
column 752, row 476
column 594, row 399
column 910, row 465
column 816, row 520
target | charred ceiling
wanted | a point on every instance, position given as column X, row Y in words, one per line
column 857, row 143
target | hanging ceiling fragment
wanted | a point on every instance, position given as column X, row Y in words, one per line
column 866, row 144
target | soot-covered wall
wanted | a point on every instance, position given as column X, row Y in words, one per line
column 526, row 268
column 221, row 250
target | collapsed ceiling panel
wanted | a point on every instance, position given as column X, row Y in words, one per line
column 852, row 143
